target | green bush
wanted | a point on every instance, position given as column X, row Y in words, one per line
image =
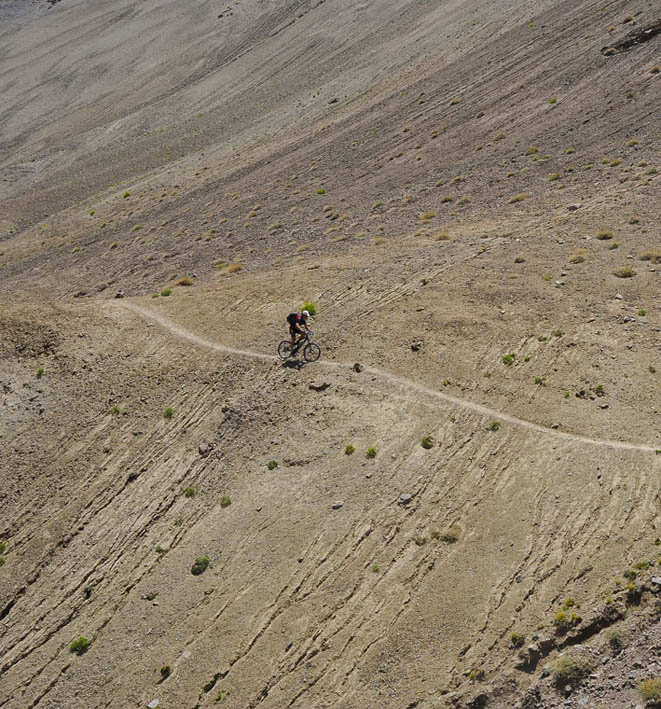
column 166, row 292
column 225, row 501
column 349, row 450
column 168, row 412
column 427, row 442
column 493, row 425
column 79, row 645
column 650, row 690
column 272, row 464
column 570, row 669
column 190, row 491
column 508, row 359
column 371, row 452
column 40, row 372
column 200, row 565
column 517, row 640
column 310, row 307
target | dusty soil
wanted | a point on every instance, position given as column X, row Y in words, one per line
column 455, row 187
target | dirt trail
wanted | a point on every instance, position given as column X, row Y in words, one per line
column 485, row 410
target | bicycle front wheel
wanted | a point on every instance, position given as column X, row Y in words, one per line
column 312, row 352
column 284, row 349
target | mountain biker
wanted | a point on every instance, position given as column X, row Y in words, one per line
column 298, row 325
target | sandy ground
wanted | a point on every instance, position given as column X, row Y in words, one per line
column 455, row 187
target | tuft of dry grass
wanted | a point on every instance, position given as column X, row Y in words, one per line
column 441, row 236
column 604, row 235
column 578, row 256
column 233, row 268
column 653, row 255
column 624, row 272
column 185, row 281
column 518, row 198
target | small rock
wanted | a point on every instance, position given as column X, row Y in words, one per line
column 656, row 584
column 333, row 100
column 338, row 505
column 563, row 273
column 619, row 296
column 573, row 207
column 357, row 368
column 204, row 449
column 80, row 294
column 546, row 670
column 603, row 406
column 153, row 704
column 404, row 499
column 415, row 346
column 560, row 283
column 258, row 508
column 319, row 386
column 120, row 294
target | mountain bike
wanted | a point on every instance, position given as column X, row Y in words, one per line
column 311, row 350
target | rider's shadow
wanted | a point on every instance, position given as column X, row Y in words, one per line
column 294, row 364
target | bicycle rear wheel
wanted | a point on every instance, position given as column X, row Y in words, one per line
column 284, row 350
column 312, row 352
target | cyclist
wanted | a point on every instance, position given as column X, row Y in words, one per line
column 298, row 325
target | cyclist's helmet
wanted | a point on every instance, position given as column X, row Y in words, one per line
column 305, row 314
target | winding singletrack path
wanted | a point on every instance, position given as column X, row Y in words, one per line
column 168, row 325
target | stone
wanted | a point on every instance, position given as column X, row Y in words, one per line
column 560, row 282
column 80, row 294
column 318, row 386
column 153, row 704
column 204, row 449
column 404, row 499
column 656, row 584
column 338, row 505
column 358, row 368
column 120, row 294
column 415, row 346
column 619, row 296
column 573, row 207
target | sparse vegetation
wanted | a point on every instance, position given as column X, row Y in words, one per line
column 616, row 638
column 427, row 442
column 563, row 621
column 371, row 452
column 115, row 410
column 517, row 640
column 321, row 190
column 450, row 535
column 540, row 380
column 652, row 369
column 272, row 464
column 420, row 540
column 165, row 671
column 310, row 307
column 225, row 501
column 233, row 268
column 554, row 176
column 624, row 272
column 493, row 425
column 652, row 255
column 200, row 565
column 349, row 450
column 518, row 198
column 476, row 675
column 650, row 691
column 508, row 359
column 571, row 669
column 190, row 491
column 80, row 645
column 375, row 568
column 578, row 256
column 604, row 235
column 40, row 372
column 185, row 281
column 166, row 292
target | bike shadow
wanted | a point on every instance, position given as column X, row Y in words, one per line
column 294, row 364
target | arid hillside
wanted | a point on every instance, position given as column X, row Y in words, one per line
column 458, row 504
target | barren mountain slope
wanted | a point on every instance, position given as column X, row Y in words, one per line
column 470, row 195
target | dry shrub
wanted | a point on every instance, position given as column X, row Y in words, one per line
column 624, row 272
column 185, row 281
column 233, row 268
column 653, row 255
column 578, row 256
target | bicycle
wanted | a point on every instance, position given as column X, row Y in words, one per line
column 311, row 350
